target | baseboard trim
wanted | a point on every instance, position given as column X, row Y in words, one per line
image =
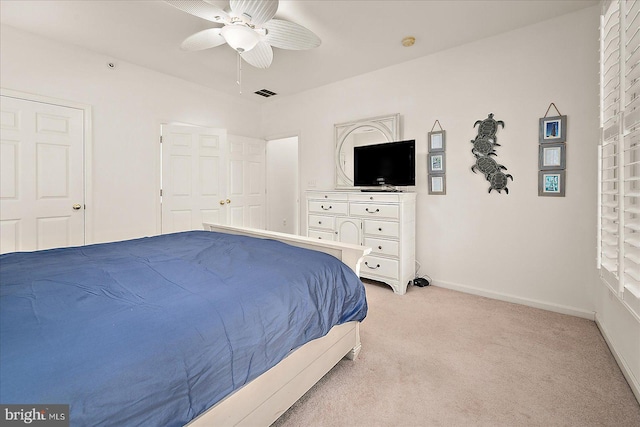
column 557, row 308
column 631, row 380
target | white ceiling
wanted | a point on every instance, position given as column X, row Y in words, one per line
column 357, row 36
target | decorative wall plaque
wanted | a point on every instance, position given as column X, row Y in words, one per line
column 484, row 145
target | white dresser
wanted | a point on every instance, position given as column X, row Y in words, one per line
column 383, row 221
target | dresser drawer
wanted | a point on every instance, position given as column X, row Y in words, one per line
column 321, row 235
column 329, row 206
column 382, row 246
column 375, row 197
column 372, row 210
column 328, row 196
column 382, row 267
column 381, row 228
column 321, row 221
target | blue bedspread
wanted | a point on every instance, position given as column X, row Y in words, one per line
column 154, row 331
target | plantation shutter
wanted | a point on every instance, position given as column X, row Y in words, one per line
column 631, row 161
column 609, row 149
column 619, row 219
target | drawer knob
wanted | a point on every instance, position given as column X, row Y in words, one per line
column 319, row 222
column 326, row 209
column 379, row 228
column 371, row 198
column 373, row 268
column 376, row 211
column 380, row 247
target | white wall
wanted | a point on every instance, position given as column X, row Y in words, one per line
column 129, row 103
column 536, row 250
column 282, row 176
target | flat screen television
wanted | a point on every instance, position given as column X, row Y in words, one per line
column 389, row 164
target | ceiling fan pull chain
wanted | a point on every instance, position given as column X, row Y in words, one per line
column 239, row 76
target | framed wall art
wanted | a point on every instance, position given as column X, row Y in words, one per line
column 553, row 129
column 436, row 163
column 437, row 184
column 552, row 156
column 437, row 141
column 551, row 183
column 436, row 167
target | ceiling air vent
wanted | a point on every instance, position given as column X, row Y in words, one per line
column 265, row 92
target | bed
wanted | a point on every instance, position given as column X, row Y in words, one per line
column 226, row 326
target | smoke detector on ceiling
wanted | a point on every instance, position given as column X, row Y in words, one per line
column 408, row 41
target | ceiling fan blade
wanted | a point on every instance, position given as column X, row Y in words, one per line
column 201, row 9
column 289, row 35
column 260, row 56
column 203, row 40
column 258, row 11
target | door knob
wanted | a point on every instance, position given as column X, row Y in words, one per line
column 222, row 202
column 76, row 207
column 228, row 201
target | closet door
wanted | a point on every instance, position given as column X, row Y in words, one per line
column 42, row 175
column 247, row 187
column 194, row 177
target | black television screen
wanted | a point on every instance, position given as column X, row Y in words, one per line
column 391, row 164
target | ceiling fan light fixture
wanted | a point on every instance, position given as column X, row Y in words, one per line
column 240, row 37
column 249, row 28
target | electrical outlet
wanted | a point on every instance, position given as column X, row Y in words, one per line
column 284, row 222
column 311, row 183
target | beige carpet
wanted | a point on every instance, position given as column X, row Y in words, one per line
column 436, row 357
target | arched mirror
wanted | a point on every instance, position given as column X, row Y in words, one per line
column 375, row 130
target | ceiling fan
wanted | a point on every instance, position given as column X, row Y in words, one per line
column 248, row 27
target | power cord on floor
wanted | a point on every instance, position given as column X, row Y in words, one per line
column 420, row 281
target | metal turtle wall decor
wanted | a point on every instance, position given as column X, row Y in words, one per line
column 483, row 148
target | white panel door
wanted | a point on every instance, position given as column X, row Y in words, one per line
column 247, row 187
column 42, row 175
column 194, row 170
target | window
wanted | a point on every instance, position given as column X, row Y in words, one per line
column 619, row 194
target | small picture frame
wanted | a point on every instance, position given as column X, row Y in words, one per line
column 551, row 183
column 436, row 163
column 552, row 156
column 437, row 141
column 437, row 184
column 553, row 129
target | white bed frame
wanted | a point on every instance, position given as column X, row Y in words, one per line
column 263, row 400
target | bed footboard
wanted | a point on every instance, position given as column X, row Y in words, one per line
column 349, row 254
column 264, row 399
